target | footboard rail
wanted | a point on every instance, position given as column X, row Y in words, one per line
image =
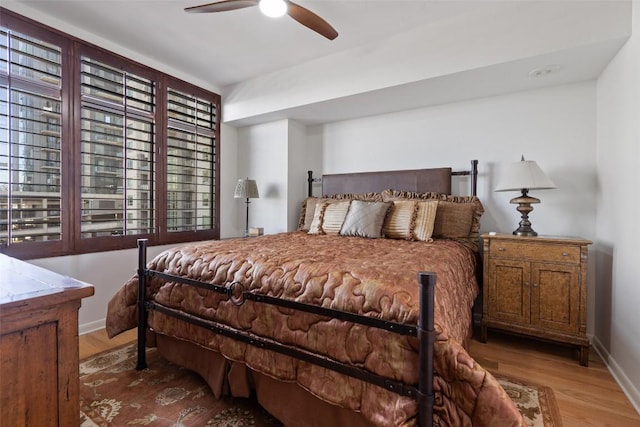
column 425, row 331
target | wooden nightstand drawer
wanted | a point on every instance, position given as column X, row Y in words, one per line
column 535, row 251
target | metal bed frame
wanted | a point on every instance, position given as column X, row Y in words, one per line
column 237, row 294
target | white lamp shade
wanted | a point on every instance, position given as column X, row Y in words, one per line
column 246, row 188
column 525, row 174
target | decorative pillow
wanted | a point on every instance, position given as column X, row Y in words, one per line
column 398, row 224
column 454, row 220
column 365, row 219
column 369, row 197
column 308, row 206
column 446, row 227
column 307, row 209
column 411, row 220
column 426, row 215
column 318, row 214
column 328, row 217
column 391, row 195
column 334, row 215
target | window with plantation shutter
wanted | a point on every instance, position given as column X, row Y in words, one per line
column 117, row 152
column 30, row 139
column 97, row 150
column 190, row 161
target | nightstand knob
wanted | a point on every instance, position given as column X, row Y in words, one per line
column 535, row 285
column 501, row 248
column 565, row 254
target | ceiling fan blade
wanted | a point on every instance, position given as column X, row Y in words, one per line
column 221, row 6
column 311, row 20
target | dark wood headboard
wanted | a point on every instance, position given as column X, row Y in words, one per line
column 420, row 180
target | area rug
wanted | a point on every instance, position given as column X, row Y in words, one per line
column 536, row 402
column 113, row 393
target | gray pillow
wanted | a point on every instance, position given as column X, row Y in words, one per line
column 365, row 219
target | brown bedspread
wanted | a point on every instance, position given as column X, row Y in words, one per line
column 375, row 277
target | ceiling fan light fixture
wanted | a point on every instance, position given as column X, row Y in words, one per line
column 273, row 8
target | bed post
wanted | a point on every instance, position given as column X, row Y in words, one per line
column 142, row 310
column 474, row 177
column 426, row 337
column 310, row 183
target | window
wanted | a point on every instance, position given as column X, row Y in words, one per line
column 97, row 150
column 190, row 155
column 30, row 139
column 117, row 137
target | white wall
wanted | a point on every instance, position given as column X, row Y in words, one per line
column 106, row 271
column 230, row 209
column 299, row 164
column 277, row 155
column 262, row 155
column 618, row 269
column 554, row 126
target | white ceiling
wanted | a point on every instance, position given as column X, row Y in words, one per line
column 225, row 49
column 229, row 47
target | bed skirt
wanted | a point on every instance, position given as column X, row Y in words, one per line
column 288, row 402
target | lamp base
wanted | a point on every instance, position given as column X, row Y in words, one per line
column 246, row 224
column 523, row 231
column 524, row 203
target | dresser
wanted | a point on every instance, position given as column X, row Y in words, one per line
column 536, row 286
column 38, row 345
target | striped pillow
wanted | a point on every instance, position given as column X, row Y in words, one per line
column 425, row 220
column 328, row 217
column 411, row 220
column 397, row 225
column 334, row 215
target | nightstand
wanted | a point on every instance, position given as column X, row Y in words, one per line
column 536, row 286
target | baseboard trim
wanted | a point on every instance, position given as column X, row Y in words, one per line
column 85, row 328
column 628, row 388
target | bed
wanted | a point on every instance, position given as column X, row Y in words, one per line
column 338, row 322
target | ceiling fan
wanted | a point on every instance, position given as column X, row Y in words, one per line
column 273, row 8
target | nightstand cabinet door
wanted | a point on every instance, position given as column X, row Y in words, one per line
column 508, row 291
column 536, row 286
column 555, row 297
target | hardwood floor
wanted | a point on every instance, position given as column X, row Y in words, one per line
column 97, row 342
column 585, row 396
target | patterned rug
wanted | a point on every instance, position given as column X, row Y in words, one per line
column 534, row 401
column 113, row 393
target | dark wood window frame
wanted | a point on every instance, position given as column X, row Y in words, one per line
column 72, row 242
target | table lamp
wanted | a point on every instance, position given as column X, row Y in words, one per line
column 523, row 176
column 246, row 189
